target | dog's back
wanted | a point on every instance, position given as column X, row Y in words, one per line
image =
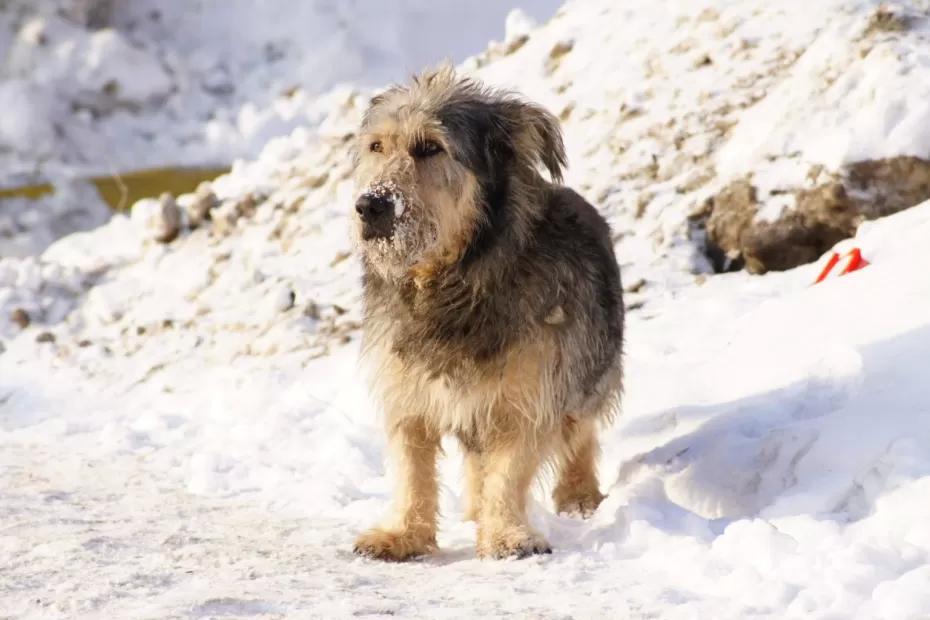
column 576, row 239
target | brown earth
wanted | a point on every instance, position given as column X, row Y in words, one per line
column 823, row 215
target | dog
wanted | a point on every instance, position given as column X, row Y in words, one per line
column 493, row 309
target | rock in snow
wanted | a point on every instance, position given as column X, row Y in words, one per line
column 192, row 436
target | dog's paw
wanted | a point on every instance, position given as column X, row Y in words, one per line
column 518, row 542
column 579, row 505
column 394, row 546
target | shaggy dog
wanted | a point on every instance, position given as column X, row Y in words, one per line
column 493, row 309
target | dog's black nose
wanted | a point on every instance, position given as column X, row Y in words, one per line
column 370, row 207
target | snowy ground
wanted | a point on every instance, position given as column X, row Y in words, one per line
column 770, row 463
column 184, row 432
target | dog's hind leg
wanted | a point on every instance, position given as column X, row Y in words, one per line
column 474, row 483
column 412, row 530
column 509, row 468
column 576, row 493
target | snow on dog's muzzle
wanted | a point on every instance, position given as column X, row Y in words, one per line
column 378, row 209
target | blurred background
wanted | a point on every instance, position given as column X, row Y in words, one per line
column 164, row 94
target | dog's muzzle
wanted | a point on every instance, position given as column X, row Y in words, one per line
column 378, row 209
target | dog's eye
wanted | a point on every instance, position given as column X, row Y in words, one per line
column 427, row 148
column 375, row 147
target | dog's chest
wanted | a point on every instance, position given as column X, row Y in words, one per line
column 414, row 388
column 451, row 328
column 459, row 394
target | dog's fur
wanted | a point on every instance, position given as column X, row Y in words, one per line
column 493, row 309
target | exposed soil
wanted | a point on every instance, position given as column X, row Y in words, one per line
column 823, row 215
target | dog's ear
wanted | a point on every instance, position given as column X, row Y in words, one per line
column 538, row 136
column 547, row 137
column 443, row 73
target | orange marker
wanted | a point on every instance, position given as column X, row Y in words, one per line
column 854, row 262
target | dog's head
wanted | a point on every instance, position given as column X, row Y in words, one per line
column 442, row 166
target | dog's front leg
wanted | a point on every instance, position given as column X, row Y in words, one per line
column 509, row 467
column 411, row 530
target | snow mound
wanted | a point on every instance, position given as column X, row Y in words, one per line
column 95, row 88
column 665, row 105
column 820, row 151
column 859, row 91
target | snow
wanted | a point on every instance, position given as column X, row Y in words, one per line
column 870, row 101
column 22, row 128
column 195, row 84
column 170, row 83
column 28, row 226
column 184, row 431
column 170, row 485
column 649, row 93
